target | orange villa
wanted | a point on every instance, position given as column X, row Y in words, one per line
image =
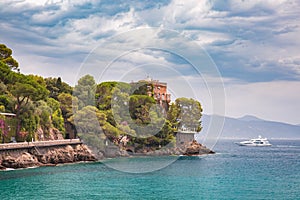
column 159, row 92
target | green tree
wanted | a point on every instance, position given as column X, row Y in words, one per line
column 68, row 105
column 189, row 114
column 56, row 86
column 28, row 122
column 104, row 94
column 44, row 111
column 89, row 119
column 88, row 123
column 166, row 134
column 24, row 91
column 139, row 108
column 141, row 88
column 6, row 57
column 120, row 106
column 85, row 91
column 3, row 88
column 172, row 115
column 106, row 90
column 6, row 98
column 5, row 72
column 56, row 114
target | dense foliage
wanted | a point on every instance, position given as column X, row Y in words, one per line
column 128, row 111
column 33, row 100
column 101, row 114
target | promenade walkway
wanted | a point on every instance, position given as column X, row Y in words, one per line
column 26, row 145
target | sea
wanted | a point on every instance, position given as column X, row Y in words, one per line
column 234, row 172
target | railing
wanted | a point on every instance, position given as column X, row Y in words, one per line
column 187, row 130
column 21, row 145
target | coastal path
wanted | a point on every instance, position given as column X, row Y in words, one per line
column 28, row 145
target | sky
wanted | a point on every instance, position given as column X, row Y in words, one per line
column 237, row 57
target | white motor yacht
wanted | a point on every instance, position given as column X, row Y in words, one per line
column 256, row 142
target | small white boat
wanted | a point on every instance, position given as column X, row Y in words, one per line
column 256, row 142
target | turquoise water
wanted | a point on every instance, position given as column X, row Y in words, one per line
column 234, row 173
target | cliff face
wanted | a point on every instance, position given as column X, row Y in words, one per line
column 49, row 156
column 52, row 134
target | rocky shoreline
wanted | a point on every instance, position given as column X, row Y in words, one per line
column 49, row 157
column 72, row 154
column 190, row 149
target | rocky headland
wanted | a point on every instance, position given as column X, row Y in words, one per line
column 51, row 156
column 189, row 149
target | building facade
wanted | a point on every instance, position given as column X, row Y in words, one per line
column 159, row 91
column 184, row 138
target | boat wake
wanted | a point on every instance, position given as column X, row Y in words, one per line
column 287, row 146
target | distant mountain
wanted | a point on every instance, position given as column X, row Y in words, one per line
column 251, row 126
column 249, row 118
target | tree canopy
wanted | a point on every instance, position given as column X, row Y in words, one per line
column 187, row 113
column 6, row 57
column 85, row 91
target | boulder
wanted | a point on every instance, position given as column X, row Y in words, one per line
column 196, row 148
column 23, row 161
column 58, row 155
column 27, row 160
column 83, row 153
column 8, row 161
column 56, row 134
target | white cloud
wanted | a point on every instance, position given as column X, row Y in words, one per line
column 256, row 31
column 250, row 40
column 246, row 5
column 185, row 12
column 62, row 3
column 141, row 57
column 98, row 26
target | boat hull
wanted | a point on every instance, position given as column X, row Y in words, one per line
column 253, row 145
column 256, row 142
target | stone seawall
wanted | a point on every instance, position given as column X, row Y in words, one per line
column 22, row 155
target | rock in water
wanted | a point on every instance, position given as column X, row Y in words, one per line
column 196, row 148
